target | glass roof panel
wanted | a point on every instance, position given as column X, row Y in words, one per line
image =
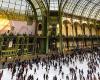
column 37, row 7
column 53, row 4
column 12, row 6
column 88, row 9
column 5, row 4
column 95, row 1
column 70, row 6
column 18, row 2
column 63, row 2
column 45, row 4
column 35, row 3
column 98, row 17
column 5, row 0
column 11, row 1
column 15, row 6
column 80, row 7
column 94, row 12
column 24, row 3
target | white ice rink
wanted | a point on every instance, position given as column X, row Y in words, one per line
column 40, row 72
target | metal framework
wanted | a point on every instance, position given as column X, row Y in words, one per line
column 85, row 8
column 19, row 7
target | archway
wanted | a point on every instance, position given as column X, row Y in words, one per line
column 84, row 31
column 67, row 30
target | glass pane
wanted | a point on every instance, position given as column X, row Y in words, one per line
column 11, row 6
column 23, row 8
column 5, row 5
column 12, row 1
column 88, row 9
column 18, row 2
column 24, row 3
column 53, row 4
column 15, row 5
column 35, row 3
column 98, row 17
column 0, row 4
column 5, row 0
column 81, row 5
column 70, row 5
column 94, row 12
column 95, row 1
column 63, row 2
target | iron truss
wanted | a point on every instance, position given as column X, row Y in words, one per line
column 85, row 8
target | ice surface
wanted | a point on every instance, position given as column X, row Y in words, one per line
column 40, row 72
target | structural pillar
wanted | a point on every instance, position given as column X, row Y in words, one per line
column 60, row 27
column 45, row 37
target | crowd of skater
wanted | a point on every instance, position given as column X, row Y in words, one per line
column 57, row 61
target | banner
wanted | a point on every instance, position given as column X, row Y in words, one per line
column 19, row 27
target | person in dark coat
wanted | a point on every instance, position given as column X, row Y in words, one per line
column 1, row 75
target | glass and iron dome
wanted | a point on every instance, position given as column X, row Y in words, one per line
column 84, row 8
column 16, row 6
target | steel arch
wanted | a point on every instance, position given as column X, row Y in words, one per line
column 85, row 7
column 91, row 11
column 33, row 9
column 75, row 6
